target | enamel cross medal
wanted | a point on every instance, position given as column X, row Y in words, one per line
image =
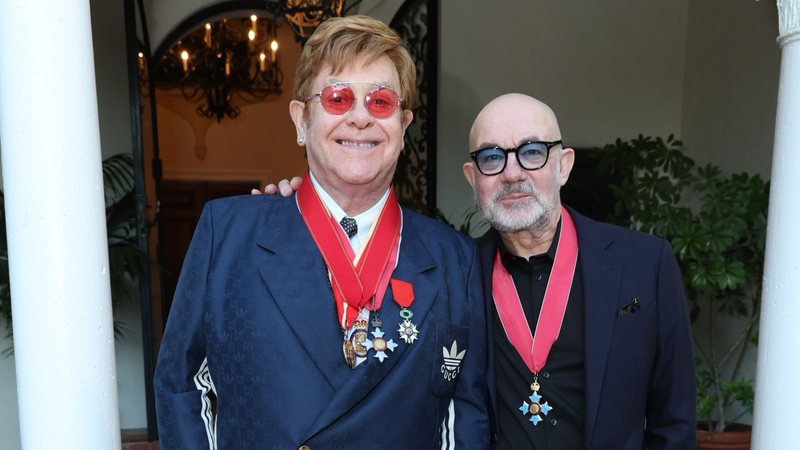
column 534, row 404
column 378, row 342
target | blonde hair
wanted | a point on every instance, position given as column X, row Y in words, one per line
column 337, row 42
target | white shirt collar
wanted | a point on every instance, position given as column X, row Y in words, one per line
column 363, row 220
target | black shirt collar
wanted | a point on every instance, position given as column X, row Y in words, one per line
column 549, row 256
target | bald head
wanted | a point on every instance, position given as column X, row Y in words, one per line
column 518, row 201
column 510, row 119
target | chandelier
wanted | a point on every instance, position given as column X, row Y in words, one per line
column 231, row 56
column 237, row 56
column 304, row 16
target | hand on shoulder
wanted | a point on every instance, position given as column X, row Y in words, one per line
column 284, row 187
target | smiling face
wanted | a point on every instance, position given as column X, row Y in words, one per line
column 518, row 199
column 353, row 153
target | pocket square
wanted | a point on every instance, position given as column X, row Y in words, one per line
column 629, row 308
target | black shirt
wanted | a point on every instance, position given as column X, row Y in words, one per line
column 562, row 379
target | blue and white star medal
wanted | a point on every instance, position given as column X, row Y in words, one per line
column 534, row 404
column 379, row 344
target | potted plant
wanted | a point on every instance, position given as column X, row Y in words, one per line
column 716, row 224
column 125, row 257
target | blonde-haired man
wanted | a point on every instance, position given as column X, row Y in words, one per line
column 333, row 319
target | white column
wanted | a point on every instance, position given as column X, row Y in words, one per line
column 777, row 416
column 58, row 254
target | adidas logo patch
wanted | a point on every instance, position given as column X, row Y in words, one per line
column 452, row 361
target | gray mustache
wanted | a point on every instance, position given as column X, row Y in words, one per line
column 522, row 187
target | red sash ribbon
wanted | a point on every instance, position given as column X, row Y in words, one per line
column 354, row 286
column 535, row 348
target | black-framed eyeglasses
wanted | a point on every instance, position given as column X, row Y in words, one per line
column 531, row 155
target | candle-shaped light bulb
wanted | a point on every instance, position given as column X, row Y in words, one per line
column 207, row 37
column 141, row 60
column 251, row 35
column 185, row 60
column 227, row 65
column 274, row 47
column 262, row 61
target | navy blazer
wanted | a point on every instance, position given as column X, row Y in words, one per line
column 640, row 379
column 254, row 322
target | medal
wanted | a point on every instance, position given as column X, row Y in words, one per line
column 355, row 279
column 534, row 348
column 534, row 404
column 359, row 338
column 380, row 345
column 349, row 353
column 408, row 331
column 403, row 294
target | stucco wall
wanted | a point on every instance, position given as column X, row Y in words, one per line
column 608, row 69
column 731, row 83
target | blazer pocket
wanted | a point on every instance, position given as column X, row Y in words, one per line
column 644, row 315
column 450, row 348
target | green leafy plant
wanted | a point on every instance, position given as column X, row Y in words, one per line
column 716, row 224
column 125, row 258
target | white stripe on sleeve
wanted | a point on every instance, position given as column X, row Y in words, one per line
column 204, row 384
column 448, row 431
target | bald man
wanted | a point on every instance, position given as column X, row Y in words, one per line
column 592, row 343
column 591, row 339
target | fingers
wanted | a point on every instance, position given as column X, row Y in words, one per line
column 285, row 187
column 270, row 189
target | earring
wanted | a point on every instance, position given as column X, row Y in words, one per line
column 300, row 140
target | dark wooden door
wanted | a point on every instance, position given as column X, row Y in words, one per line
column 181, row 205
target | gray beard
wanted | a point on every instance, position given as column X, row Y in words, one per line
column 532, row 216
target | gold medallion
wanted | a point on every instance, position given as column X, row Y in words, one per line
column 349, row 353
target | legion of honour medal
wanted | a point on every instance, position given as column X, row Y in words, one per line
column 403, row 294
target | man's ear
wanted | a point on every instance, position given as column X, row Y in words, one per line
column 297, row 112
column 469, row 172
column 408, row 116
column 567, row 161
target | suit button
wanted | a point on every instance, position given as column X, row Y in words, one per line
column 545, row 375
column 304, row 447
column 553, row 422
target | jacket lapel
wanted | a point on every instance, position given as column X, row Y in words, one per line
column 413, row 263
column 295, row 275
column 601, row 279
column 487, row 247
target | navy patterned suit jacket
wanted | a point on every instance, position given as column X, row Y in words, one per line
column 254, row 321
column 640, row 379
